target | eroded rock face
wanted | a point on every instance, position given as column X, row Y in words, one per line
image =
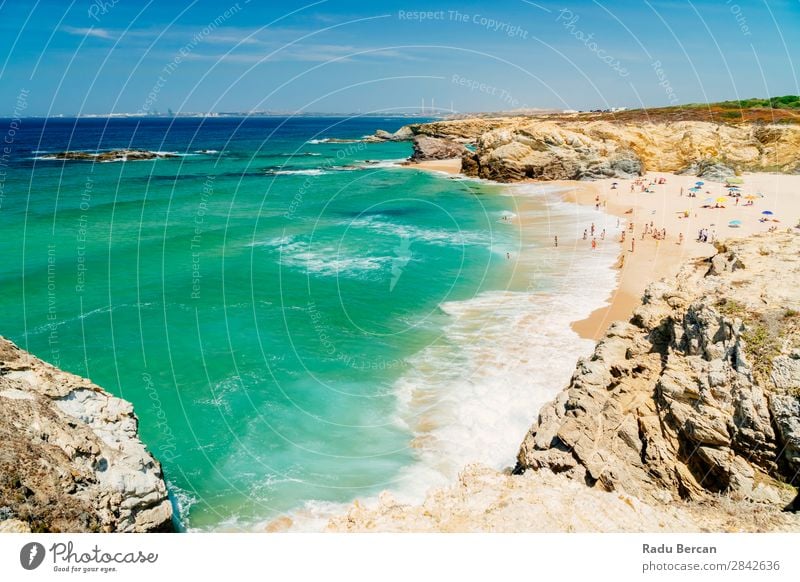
column 433, row 148
column 405, row 133
column 670, row 406
column 513, row 149
column 71, row 459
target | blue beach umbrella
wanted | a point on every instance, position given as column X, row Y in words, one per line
column 767, row 212
column 708, row 200
column 735, row 223
column 699, row 183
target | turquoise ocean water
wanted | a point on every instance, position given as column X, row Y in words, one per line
column 297, row 322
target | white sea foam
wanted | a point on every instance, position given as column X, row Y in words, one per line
column 273, row 242
column 442, row 237
column 330, row 261
column 309, row 172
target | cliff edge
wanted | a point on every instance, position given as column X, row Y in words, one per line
column 71, row 459
column 551, row 148
column 699, row 394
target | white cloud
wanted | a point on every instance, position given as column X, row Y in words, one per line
column 95, row 32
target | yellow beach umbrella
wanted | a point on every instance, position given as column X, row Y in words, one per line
column 751, row 197
column 722, row 199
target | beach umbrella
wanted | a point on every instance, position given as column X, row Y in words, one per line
column 694, row 189
column 708, row 200
column 767, row 212
column 722, row 199
column 699, row 183
column 750, row 197
column 735, row 223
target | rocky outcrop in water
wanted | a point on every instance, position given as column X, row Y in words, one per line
column 71, row 459
column 434, row 148
column 111, row 156
column 699, row 394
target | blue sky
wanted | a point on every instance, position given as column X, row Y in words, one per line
column 104, row 56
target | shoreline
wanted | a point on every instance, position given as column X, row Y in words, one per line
column 669, row 207
column 666, row 207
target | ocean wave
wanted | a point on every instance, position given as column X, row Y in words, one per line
column 333, row 140
column 48, row 327
column 377, row 223
column 329, row 261
column 307, row 172
column 183, row 500
column 325, row 260
column 275, row 242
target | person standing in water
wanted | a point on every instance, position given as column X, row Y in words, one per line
column 555, row 241
column 594, row 243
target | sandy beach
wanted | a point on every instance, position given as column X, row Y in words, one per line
column 669, row 206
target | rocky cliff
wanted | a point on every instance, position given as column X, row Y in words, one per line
column 71, row 459
column 699, row 394
column 518, row 148
column 685, row 418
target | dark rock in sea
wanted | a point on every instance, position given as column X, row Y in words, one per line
column 434, row 148
column 112, row 156
column 71, row 459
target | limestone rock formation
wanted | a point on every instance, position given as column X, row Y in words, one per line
column 517, row 148
column 434, row 148
column 405, row 133
column 695, row 395
column 71, row 459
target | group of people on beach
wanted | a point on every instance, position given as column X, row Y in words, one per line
column 658, row 234
column 642, row 185
column 704, row 236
